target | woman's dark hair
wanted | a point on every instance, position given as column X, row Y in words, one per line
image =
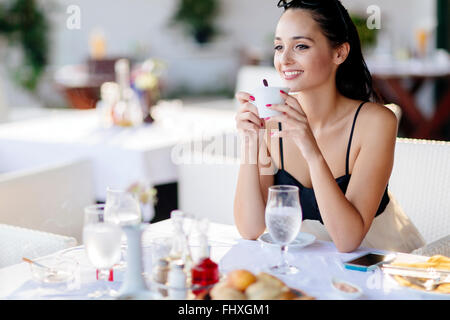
column 353, row 78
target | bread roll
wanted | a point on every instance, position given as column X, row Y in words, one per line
column 271, row 280
column 263, row 290
column 240, row 279
column 222, row 292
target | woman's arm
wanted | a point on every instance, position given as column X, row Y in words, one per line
column 254, row 179
column 348, row 217
column 251, row 190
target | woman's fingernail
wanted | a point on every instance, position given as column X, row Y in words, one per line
column 268, row 118
column 262, row 124
column 283, row 92
column 268, row 105
column 252, row 98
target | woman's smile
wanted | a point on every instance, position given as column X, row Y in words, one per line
column 291, row 74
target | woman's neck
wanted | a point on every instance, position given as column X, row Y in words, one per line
column 320, row 105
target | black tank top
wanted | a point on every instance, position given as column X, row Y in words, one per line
column 308, row 201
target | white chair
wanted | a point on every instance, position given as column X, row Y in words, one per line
column 207, row 179
column 49, row 199
column 420, row 182
column 16, row 242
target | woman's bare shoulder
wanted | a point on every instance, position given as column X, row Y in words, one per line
column 377, row 118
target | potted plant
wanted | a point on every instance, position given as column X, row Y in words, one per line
column 197, row 16
column 368, row 37
column 23, row 23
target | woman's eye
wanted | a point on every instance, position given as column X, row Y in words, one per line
column 277, row 47
column 302, row 46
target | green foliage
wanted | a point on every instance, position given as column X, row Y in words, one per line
column 367, row 36
column 198, row 18
column 25, row 24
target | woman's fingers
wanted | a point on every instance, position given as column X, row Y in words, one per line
column 248, row 126
column 287, row 110
column 250, row 117
column 244, row 97
column 293, row 102
column 248, row 107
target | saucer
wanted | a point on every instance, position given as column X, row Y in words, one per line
column 303, row 239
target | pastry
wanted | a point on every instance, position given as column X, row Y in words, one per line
column 269, row 279
column 222, row 291
column 263, row 290
column 240, row 279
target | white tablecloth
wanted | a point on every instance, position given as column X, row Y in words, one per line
column 121, row 156
column 318, row 262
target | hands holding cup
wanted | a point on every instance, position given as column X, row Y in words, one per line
column 253, row 109
column 274, row 103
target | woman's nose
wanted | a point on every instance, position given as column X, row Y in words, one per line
column 286, row 57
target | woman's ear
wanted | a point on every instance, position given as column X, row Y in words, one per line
column 341, row 53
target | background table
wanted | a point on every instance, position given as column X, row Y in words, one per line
column 317, row 262
column 121, row 156
column 400, row 81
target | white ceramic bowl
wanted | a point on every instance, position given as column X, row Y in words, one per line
column 348, row 295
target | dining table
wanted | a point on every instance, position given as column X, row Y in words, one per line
column 318, row 263
column 121, row 156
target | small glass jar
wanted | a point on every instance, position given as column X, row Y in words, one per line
column 160, row 275
column 177, row 281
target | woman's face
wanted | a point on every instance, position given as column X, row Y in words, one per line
column 303, row 56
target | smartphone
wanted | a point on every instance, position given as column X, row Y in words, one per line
column 368, row 261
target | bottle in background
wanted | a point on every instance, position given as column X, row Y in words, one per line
column 127, row 111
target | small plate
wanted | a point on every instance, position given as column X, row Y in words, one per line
column 303, row 239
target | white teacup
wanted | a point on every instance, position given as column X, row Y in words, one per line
column 268, row 95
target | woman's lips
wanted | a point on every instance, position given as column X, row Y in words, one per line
column 292, row 74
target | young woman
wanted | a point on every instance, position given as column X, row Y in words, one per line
column 336, row 143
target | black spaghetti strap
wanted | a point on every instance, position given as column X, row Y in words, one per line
column 350, row 140
column 281, row 148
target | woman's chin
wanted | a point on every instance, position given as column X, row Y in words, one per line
column 294, row 88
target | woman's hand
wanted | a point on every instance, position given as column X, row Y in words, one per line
column 248, row 122
column 295, row 126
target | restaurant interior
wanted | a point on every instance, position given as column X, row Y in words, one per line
column 102, row 97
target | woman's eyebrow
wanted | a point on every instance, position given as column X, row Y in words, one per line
column 297, row 38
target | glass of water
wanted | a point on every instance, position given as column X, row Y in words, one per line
column 283, row 221
column 102, row 240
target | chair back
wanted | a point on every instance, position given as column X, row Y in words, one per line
column 420, row 181
column 16, row 242
column 48, row 198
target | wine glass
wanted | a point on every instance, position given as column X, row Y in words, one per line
column 122, row 207
column 102, row 240
column 283, row 220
